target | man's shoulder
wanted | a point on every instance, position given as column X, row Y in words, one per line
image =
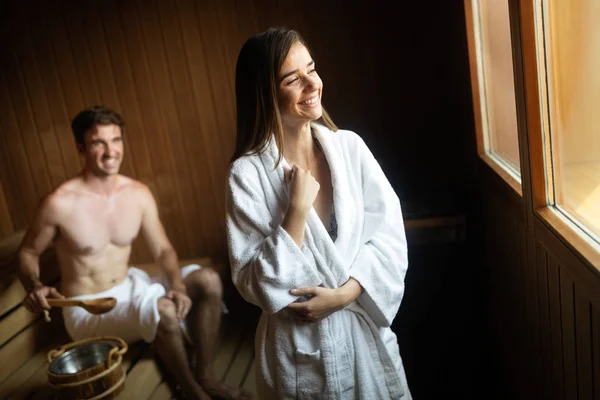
column 128, row 183
column 63, row 196
column 137, row 190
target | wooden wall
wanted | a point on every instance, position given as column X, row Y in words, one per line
column 569, row 315
column 168, row 67
column 544, row 304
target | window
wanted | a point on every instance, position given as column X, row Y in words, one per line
column 569, row 35
column 492, row 74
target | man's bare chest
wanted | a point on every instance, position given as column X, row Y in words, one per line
column 93, row 225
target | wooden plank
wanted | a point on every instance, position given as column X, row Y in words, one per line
column 11, row 200
column 152, row 77
column 152, row 137
column 78, row 53
column 23, row 190
column 15, row 322
column 195, row 159
column 68, row 58
column 533, row 320
column 53, row 90
column 25, row 345
column 544, row 314
column 37, row 102
column 242, row 361
column 220, row 69
column 555, row 328
column 6, row 225
column 196, row 63
column 143, row 378
column 568, row 334
column 167, row 104
column 162, row 392
column 250, row 380
column 596, row 351
column 9, row 247
column 227, row 352
column 30, row 375
column 583, row 327
column 18, row 75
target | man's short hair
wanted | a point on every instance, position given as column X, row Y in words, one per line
column 91, row 117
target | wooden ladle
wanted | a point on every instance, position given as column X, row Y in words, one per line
column 93, row 306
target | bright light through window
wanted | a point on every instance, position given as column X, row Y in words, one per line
column 496, row 82
column 571, row 34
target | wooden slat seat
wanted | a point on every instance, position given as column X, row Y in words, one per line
column 25, row 340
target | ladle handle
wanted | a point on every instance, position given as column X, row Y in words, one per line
column 119, row 350
column 63, row 302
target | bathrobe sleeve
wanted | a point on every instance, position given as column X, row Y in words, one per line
column 265, row 261
column 381, row 263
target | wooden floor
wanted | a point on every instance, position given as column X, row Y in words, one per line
column 234, row 363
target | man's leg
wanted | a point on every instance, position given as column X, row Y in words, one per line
column 171, row 350
column 204, row 320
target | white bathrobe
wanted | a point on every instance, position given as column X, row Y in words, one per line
column 353, row 353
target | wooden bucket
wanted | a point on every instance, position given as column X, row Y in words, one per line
column 89, row 369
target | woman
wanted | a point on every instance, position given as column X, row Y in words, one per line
column 315, row 232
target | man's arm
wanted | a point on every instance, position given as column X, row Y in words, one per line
column 36, row 240
column 162, row 252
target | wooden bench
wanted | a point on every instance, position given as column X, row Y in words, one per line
column 25, row 340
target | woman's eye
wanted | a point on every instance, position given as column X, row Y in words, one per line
column 292, row 81
column 312, row 70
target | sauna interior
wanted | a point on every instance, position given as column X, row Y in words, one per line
column 483, row 115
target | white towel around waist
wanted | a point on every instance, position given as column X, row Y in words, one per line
column 134, row 317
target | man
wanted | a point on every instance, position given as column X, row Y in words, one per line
column 92, row 220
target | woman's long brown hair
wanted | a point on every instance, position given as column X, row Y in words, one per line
column 258, row 117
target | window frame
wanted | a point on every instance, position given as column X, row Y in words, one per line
column 533, row 138
column 477, row 79
column 536, row 185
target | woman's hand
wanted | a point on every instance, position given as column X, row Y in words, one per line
column 302, row 192
column 303, row 189
column 323, row 301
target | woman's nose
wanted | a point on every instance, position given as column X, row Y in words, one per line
column 311, row 82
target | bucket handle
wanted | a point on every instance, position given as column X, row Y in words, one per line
column 119, row 350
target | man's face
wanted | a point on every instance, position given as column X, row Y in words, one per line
column 103, row 150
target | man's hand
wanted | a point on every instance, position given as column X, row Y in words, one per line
column 35, row 301
column 183, row 303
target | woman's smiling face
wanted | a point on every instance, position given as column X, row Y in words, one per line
column 300, row 88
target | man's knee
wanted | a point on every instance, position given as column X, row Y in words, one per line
column 206, row 282
column 169, row 323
